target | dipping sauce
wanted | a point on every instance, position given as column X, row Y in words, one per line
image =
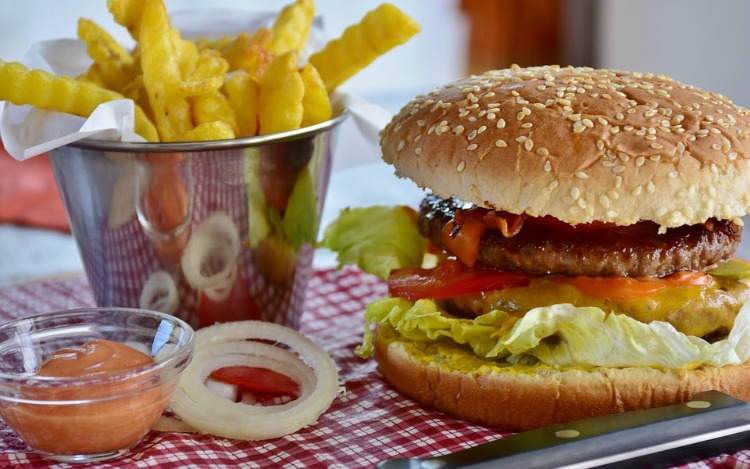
column 108, row 415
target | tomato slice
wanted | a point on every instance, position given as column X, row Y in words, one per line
column 628, row 288
column 450, row 278
column 263, row 381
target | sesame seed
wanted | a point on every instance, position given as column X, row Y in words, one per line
column 578, row 127
column 472, row 134
column 600, row 144
column 672, row 174
column 640, row 161
column 528, row 144
column 471, row 147
column 401, row 144
column 575, row 193
column 421, row 122
column 418, row 151
column 587, row 122
column 581, row 175
column 500, row 143
column 650, row 187
column 481, row 129
column 461, row 166
column 725, row 145
column 656, row 145
column 527, row 125
column 636, row 191
column 500, row 123
column 458, row 130
column 542, row 151
column 547, row 166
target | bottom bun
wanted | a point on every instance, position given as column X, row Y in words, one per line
column 524, row 397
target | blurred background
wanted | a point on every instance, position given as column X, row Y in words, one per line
column 694, row 41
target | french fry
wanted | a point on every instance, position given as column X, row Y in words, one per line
column 242, row 91
column 213, row 107
column 115, row 65
column 204, row 43
column 161, row 73
column 128, row 13
column 316, row 106
column 20, row 85
column 280, row 97
column 208, row 76
column 292, row 26
column 216, row 130
column 379, row 31
column 136, row 91
column 92, row 75
column 249, row 52
column 186, row 52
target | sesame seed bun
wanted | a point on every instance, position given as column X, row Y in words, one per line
column 578, row 144
column 517, row 398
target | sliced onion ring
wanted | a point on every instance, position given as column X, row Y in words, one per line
column 231, row 344
column 160, row 293
column 214, row 244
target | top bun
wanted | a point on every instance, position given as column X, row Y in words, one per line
column 578, row 144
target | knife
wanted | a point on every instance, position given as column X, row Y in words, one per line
column 710, row 423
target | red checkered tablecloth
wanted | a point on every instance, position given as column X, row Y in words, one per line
column 366, row 424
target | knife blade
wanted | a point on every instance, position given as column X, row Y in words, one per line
column 711, row 422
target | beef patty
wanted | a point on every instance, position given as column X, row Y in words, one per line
column 544, row 245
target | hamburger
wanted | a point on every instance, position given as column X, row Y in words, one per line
column 574, row 253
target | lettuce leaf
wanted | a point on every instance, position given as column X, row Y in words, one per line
column 562, row 335
column 377, row 239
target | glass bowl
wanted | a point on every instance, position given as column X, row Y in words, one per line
column 100, row 415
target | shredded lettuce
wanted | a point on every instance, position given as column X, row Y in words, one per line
column 377, row 239
column 562, row 335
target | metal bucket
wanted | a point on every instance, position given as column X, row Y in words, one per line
column 207, row 231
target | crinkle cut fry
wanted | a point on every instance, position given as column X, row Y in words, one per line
column 20, row 85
